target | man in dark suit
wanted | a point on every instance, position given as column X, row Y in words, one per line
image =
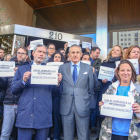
column 75, row 98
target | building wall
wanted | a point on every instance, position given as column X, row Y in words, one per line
column 115, row 38
column 18, row 10
column 126, row 38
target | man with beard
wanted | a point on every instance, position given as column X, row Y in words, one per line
column 35, row 104
column 94, row 54
column 10, row 100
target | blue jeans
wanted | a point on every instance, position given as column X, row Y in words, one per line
column 8, row 121
column 27, row 133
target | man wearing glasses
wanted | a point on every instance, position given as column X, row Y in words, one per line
column 10, row 100
column 1, row 54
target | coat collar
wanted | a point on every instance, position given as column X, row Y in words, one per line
column 117, row 83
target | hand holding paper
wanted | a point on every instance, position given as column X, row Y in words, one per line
column 45, row 75
column 106, row 74
column 117, row 106
column 104, row 81
column 26, row 76
column 136, row 108
column 101, row 103
column 15, row 69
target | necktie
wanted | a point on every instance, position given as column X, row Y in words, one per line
column 74, row 74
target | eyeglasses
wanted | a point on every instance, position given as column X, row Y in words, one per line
column 18, row 53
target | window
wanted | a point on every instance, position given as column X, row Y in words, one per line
column 121, row 35
column 129, row 44
column 125, row 39
column 136, row 39
column 125, row 34
column 136, row 34
column 129, row 39
column 125, row 44
column 121, row 39
column 121, row 44
column 129, row 34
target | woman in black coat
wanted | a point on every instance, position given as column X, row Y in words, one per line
column 56, row 93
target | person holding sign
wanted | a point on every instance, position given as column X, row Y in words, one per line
column 122, row 128
column 77, row 88
column 115, row 54
column 133, row 52
column 35, row 104
column 10, row 100
column 56, row 93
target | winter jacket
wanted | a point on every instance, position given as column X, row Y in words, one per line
column 134, row 131
column 97, row 63
column 35, row 103
column 10, row 98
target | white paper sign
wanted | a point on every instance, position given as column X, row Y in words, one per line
column 44, row 75
column 86, row 62
column 7, row 68
column 55, row 64
column 117, row 63
column 35, row 42
column 106, row 73
column 134, row 62
column 86, row 45
column 73, row 41
column 117, row 106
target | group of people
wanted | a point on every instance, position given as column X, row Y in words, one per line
column 40, row 110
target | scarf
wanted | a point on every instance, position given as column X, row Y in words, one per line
column 114, row 59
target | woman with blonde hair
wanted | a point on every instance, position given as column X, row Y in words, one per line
column 115, row 54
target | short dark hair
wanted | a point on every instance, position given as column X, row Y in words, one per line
column 24, row 48
column 60, row 49
column 125, row 48
column 133, row 78
column 52, row 57
column 85, row 54
column 94, row 49
column 51, row 44
column 1, row 49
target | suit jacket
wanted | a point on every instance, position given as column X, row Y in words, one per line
column 93, row 99
column 83, row 89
